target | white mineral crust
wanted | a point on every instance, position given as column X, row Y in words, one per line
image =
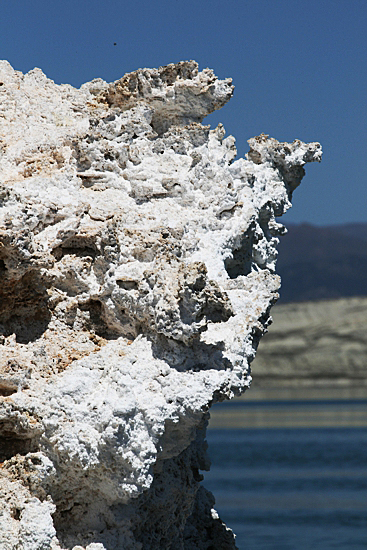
column 137, row 263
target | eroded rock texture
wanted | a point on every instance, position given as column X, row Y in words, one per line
column 137, row 274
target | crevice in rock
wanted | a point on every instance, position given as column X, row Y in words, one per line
column 241, row 261
column 62, row 251
column 24, row 307
column 12, row 442
column 6, row 391
column 96, row 321
column 198, row 356
column 80, row 245
column 15, row 513
column 217, row 312
column 127, row 285
column 291, row 176
column 11, row 446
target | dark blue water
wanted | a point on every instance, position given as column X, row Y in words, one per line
column 291, row 488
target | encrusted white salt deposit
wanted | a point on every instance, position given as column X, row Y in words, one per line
column 137, row 263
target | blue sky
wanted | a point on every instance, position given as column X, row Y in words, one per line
column 299, row 67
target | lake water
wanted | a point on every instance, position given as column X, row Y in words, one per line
column 298, row 480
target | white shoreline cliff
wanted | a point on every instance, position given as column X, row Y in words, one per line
column 137, row 264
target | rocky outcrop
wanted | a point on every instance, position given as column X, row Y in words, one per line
column 137, row 262
column 315, row 343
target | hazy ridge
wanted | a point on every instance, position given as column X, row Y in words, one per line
column 319, row 330
column 318, row 263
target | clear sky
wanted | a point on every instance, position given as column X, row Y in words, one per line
column 299, row 67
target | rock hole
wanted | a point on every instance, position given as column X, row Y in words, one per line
column 83, row 162
column 24, row 307
column 78, row 245
column 96, row 321
column 241, row 261
column 60, row 252
column 128, row 285
column 15, row 513
column 11, row 445
column 5, row 391
column 216, row 313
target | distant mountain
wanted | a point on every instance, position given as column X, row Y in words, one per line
column 315, row 343
column 318, row 263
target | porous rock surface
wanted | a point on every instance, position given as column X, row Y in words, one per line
column 137, row 266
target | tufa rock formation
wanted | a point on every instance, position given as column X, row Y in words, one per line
column 137, row 274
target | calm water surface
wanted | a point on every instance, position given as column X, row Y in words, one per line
column 291, row 487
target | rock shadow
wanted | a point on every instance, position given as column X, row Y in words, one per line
column 24, row 306
column 16, row 438
column 196, row 357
